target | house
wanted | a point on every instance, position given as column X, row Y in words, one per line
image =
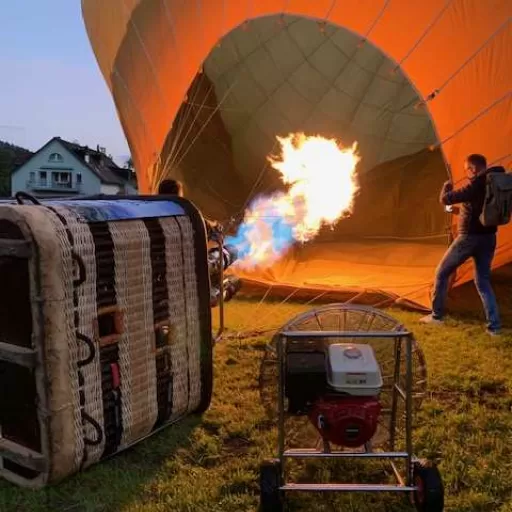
column 62, row 168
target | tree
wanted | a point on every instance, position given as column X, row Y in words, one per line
column 5, row 175
column 11, row 156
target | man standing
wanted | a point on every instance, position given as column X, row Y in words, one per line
column 473, row 241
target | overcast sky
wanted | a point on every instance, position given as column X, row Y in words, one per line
column 50, row 83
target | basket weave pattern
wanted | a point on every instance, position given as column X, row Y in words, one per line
column 116, row 361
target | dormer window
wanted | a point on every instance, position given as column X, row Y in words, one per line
column 87, row 158
column 56, row 157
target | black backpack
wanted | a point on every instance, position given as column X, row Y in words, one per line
column 497, row 208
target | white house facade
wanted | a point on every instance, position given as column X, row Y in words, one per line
column 62, row 168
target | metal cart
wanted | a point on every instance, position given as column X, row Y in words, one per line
column 421, row 480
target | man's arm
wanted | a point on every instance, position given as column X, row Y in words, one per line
column 462, row 195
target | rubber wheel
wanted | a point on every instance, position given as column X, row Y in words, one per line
column 429, row 495
column 270, row 480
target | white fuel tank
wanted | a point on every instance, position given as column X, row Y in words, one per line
column 353, row 369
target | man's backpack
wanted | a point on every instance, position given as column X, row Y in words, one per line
column 497, row 208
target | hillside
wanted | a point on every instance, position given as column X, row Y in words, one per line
column 11, row 156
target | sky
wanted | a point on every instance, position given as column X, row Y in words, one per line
column 50, row 83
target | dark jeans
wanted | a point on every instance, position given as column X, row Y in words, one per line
column 481, row 248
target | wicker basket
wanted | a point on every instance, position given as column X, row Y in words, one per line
column 105, row 330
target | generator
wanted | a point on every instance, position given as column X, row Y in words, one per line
column 105, row 328
column 337, row 385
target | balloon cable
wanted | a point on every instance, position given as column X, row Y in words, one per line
column 436, row 92
column 432, row 24
column 207, row 121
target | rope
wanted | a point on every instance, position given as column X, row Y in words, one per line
column 217, row 194
column 161, row 169
column 237, row 58
column 436, row 92
column 377, row 19
column 422, row 37
column 226, row 109
column 168, row 17
column 404, row 238
column 391, row 298
column 223, row 21
column 203, row 126
column 396, row 298
column 132, row 23
column 331, row 8
column 261, row 301
column 135, row 108
column 303, row 304
column 206, row 123
column 413, row 101
column 472, row 120
column 500, row 159
column 148, row 57
column 181, row 119
column 179, row 141
column 260, row 326
column 355, row 297
column 256, row 184
column 263, row 321
column 386, row 137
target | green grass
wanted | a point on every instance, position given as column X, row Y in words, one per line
column 211, row 464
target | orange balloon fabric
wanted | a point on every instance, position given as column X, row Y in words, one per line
column 456, row 55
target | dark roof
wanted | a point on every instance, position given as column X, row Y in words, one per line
column 99, row 163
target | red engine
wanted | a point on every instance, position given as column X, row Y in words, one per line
column 346, row 420
column 337, row 386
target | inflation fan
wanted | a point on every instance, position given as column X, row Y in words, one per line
column 344, row 380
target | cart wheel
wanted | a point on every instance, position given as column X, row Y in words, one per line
column 429, row 496
column 270, row 481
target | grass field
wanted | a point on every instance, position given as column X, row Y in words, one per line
column 211, row 464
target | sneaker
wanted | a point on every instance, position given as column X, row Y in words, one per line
column 429, row 319
column 493, row 332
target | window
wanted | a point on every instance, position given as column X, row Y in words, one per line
column 43, row 177
column 32, row 177
column 61, row 179
column 79, row 178
column 56, row 157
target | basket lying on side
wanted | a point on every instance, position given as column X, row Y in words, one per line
column 105, row 330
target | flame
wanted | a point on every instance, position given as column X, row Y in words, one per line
column 322, row 184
